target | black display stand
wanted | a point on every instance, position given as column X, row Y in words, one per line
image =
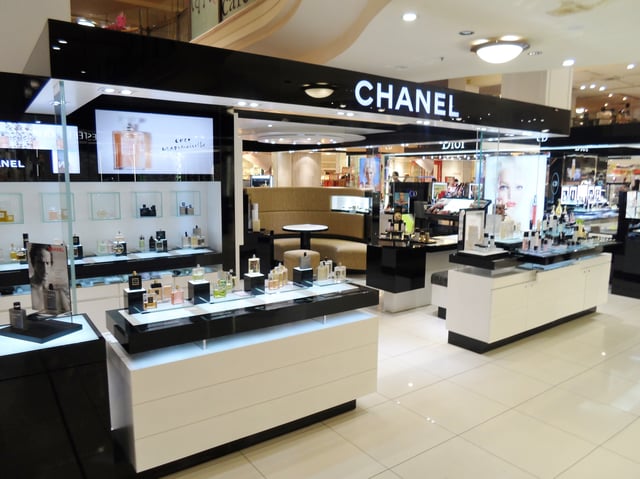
column 41, row 331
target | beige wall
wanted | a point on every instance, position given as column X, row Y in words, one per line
column 21, row 24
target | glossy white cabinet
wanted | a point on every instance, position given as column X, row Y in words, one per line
column 492, row 306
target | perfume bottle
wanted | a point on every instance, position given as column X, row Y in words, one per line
column 18, row 316
column 152, row 243
column 135, row 281
column 177, row 296
column 186, row 241
column 141, row 243
column 305, row 261
column 13, row 253
column 52, row 299
column 131, row 147
column 254, row 264
column 198, row 272
column 150, row 300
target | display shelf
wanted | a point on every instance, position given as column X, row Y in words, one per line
column 241, row 313
column 11, row 208
column 187, row 203
column 55, row 209
column 105, row 206
column 147, row 204
column 489, row 260
column 559, row 254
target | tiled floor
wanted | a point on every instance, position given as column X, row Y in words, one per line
column 562, row 404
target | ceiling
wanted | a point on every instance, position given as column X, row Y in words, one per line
column 370, row 36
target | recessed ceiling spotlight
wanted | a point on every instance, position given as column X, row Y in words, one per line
column 569, row 62
column 583, row 87
column 631, row 66
column 108, row 89
column 466, row 33
column 350, row 113
column 592, row 86
column 409, row 16
column 602, row 88
column 269, row 125
column 253, row 104
column 126, row 91
column 624, row 98
column 534, row 53
column 242, row 103
column 610, row 95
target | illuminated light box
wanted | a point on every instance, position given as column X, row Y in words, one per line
column 150, row 143
column 38, row 136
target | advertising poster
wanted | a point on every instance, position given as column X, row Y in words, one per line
column 518, row 184
column 149, row 143
column 369, row 173
column 38, row 136
column 48, row 278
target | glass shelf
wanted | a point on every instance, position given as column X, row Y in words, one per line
column 11, row 208
column 147, row 204
column 187, row 203
column 54, row 208
column 105, row 206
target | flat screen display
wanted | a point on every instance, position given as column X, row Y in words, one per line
column 39, row 136
column 150, row 143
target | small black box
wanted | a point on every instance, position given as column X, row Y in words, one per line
column 134, row 300
column 254, row 283
column 199, row 291
column 303, row 276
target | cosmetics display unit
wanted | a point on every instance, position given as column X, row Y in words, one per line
column 506, row 299
column 202, row 380
column 54, row 405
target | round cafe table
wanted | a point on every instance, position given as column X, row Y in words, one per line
column 305, row 231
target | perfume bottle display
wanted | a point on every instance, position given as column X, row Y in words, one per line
column 18, row 316
column 52, row 303
column 135, row 281
column 198, row 273
column 177, row 296
column 254, row 264
column 131, row 148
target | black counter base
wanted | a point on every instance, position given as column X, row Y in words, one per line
column 237, row 445
column 481, row 347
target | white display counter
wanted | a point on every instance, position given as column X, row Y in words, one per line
column 175, row 402
column 491, row 308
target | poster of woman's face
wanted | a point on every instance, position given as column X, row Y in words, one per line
column 514, row 182
column 369, row 173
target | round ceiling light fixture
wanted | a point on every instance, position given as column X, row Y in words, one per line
column 318, row 90
column 499, row 50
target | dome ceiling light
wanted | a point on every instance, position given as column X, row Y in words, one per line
column 318, row 90
column 500, row 50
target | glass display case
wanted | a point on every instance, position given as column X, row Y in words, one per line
column 11, row 208
column 55, row 207
column 105, row 206
column 147, row 204
column 187, row 203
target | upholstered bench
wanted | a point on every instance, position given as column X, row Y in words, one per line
column 439, row 282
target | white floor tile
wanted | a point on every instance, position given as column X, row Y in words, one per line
column 458, row 458
column 443, row 360
column 606, row 388
column 592, row 421
column 233, row 465
column 390, row 433
column 540, row 365
column 501, row 384
column 626, row 442
column 314, row 452
column 452, row 406
column 529, row 444
column 396, row 378
column 603, row 464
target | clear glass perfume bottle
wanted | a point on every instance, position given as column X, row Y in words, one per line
column 132, row 147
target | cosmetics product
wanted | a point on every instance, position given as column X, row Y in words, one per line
column 186, row 241
column 254, row 264
column 220, row 289
column 340, row 273
column 177, row 296
column 131, row 147
column 183, row 208
column 156, row 289
column 25, row 240
column 305, row 261
column 166, row 292
column 13, row 253
column 18, row 316
column 323, row 271
column 142, row 244
column 103, row 249
column 51, row 299
column 525, row 241
column 150, row 300
column 21, row 255
column 152, row 243
column 198, row 272
column 135, row 281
